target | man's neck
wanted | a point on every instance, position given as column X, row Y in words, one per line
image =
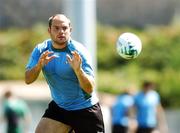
column 59, row 46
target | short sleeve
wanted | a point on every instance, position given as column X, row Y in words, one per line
column 87, row 64
column 33, row 59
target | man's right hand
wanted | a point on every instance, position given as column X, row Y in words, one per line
column 32, row 74
column 46, row 57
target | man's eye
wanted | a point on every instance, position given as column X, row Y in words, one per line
column 64, row 28
column 57, row 28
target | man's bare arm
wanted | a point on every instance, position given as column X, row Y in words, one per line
column 86, row 81
column 32, row 74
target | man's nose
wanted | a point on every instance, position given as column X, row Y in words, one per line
column 60, row 30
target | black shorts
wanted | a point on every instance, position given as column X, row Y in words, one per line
column 88, row 120
column 144, row 130
column 119, row 129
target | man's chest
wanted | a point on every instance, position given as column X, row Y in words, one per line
column 59, row 66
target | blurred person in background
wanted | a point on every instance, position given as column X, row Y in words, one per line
column 16, row 113
column 122, row 113
column 67, row 68
column 150, row 113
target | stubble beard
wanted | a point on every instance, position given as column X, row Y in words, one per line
column 60, row 44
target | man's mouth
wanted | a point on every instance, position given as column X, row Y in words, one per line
column 60, row 37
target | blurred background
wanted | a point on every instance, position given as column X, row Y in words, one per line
column 23, row 24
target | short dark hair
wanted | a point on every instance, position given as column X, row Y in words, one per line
column 52, row 17
column 50, row 20
column 148, row 83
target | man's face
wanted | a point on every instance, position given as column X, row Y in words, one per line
column 60, row 30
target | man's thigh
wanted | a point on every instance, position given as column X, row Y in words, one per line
column 88, row 120
column 47, row 125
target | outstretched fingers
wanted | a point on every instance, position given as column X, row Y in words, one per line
column 76, row 56
column 74, row 60
column 46, row 57
column 45, row 54
column 69, row 58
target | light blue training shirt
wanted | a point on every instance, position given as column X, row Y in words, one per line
column 121, row 108
column 146, row 104
column 62, row 80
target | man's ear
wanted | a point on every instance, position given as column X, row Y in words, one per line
column 49, row 30
column 70, row 29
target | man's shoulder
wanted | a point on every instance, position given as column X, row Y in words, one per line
column 78, row 46
column 44, row 45
column 74, row 42
column 153, row 92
